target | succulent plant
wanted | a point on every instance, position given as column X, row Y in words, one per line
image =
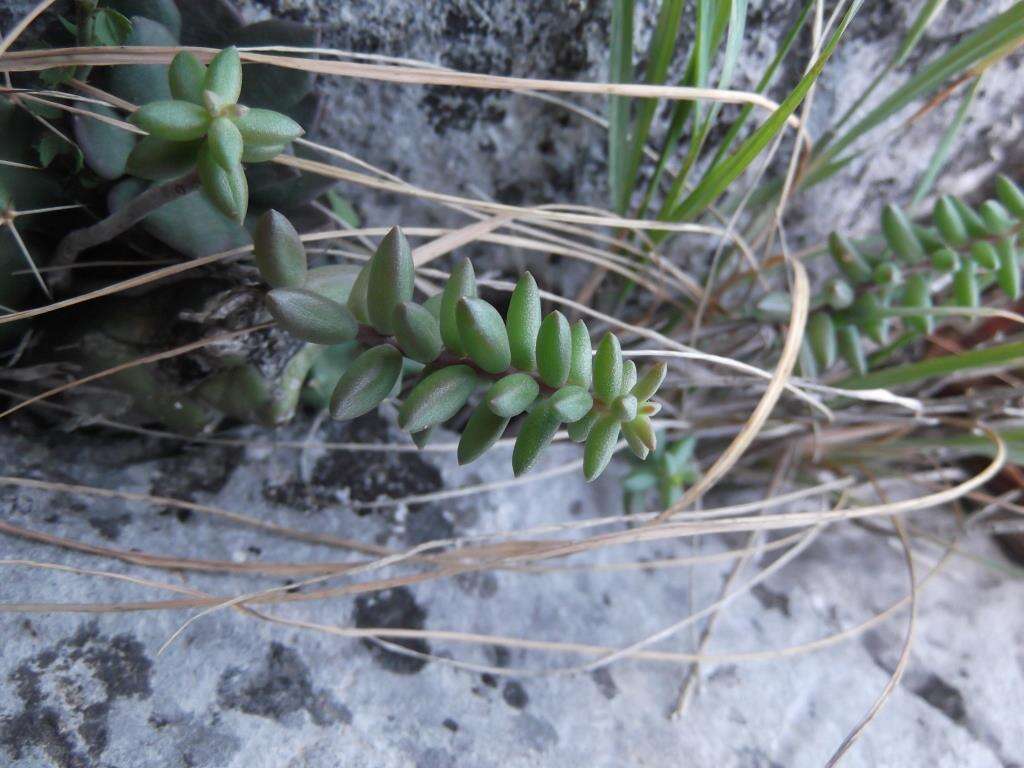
column 950, row 263
column 538, row 368
column 669, row 469
column 204, row 125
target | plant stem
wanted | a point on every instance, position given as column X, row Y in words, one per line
column 116, row 223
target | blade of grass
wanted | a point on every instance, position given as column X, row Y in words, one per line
column 1004, row 30
column 620, row 70
column 945, row 147
column 1003, row 354
column 719, row 177
column 659, row 57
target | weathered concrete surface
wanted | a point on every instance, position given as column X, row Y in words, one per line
column 81, row 690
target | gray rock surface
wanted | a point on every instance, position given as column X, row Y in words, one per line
column 90, row 690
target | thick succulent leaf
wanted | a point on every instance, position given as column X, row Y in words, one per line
column 554, row 349
column 105, row 147
column 625, row 408
column 437, row 398
column 157, row 160
column 608, row 368
column 172, row 120
column 945, row 260
column 838, row 293
column 851, row 349
column 535, row 434
column 629, row 376
column 997, row 219
column 417, row 332
column 972, row 221
column 226, row 189
column 600, row 446
column 649, row 383
column 333, row 281
column 390, row 281
column 422, row 437
column 636, row 445
column 225, row 143
column 984, row 255
column 524, row 322
column 163, row 11
column 310, row 317
column 806, row 365
column 265, row 127
column 187, row 78
column 900, row 235
column 109, row 27
column 917, row 295
column 357, row 299
column 1010, row 195
column 224, row 76
column 189, row 225
column 143, row 83
column 965, row 286
column 581, row 368
column 887, row 273
column 821, row 334
column 483, row 430
column 848, row 258
column 579, row 431
column 870, row 317
column 643, row 428
column 368, row 380
column 571, row 403
column 512, row 394
column 278, row 251
column 1008, row 275
column 483, row 334
column 261, row 153
column 951, row 226
column 462, row 282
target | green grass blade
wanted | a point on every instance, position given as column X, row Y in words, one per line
column 719, row 177
column 910, row 373
column 1004, row 30
column 945, row 147
column 930, row 9
column 620, row 70
column 659, row 56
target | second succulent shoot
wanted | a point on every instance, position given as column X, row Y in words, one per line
column 526, row 365
column 205, row 126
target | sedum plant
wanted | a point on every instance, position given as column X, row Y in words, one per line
column 537, row 368
column 205, row 126
column 948, row 263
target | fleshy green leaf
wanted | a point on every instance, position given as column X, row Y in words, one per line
column 580, row 430
column 1008, row 275
column 390, row 281
column 629, row 377
column 333, row 281
column 278, row 251
column 187, row 78
column 224, row 76
column 512, row 394
column 997, row 219
column 649, row 383
column 945, row 260
column 1010, row 195
column 228, row 190
column 366, row 383
column 265, row 127
column 581, row 367
column 225, row 143
column 851, row 349
column 261, row 153
column 821, row 335
column 417, row 332
column 600, row 446
column 357, row 299
column 483, row 333
column 554, row 349
column 571, row 403
column 524, row 322
column 437, row 398
column 887, row 273
column 917, row 295
column 965, row 286
column 105, row 148
column 483, row 430
column 625, row 408
column 310, row 317
column 838, row 293
column 172, row 120
column 984, row 255
column 849, row 260
column 156, row 159
column 462, row 282
column 900, row 235
column 608, row 368
column 535, row 434
column 947, row 219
